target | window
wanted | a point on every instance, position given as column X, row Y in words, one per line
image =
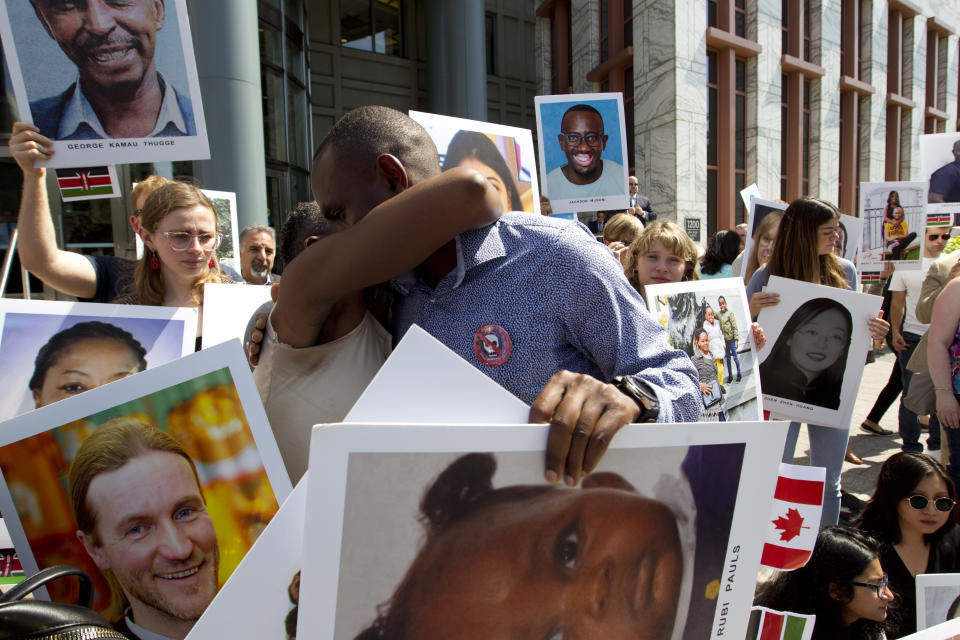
column 798, row 72
column 727, row 54
column 372, row 25
column 490, row 25
column 899, row 96
column 852, row 90
column 615, row 71
column 935, row 114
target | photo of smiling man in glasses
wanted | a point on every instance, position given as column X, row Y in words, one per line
column 587, row 165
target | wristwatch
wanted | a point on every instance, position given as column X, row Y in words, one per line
column 642, row 394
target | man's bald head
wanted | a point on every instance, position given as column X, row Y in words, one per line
column 365, row 133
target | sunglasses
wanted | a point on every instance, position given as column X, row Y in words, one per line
column 942, row 236
column 921, row 502
column 878, row 587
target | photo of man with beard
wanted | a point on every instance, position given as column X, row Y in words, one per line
column 142, row 518
column 586, row 173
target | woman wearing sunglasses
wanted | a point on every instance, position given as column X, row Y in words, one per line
column 843, row 584
column 913, row 514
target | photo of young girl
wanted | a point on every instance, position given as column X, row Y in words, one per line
column 474, row 544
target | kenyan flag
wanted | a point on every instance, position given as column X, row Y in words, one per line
column 767, row 624
column 86, row 182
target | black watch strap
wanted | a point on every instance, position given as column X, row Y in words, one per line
column 642, row 394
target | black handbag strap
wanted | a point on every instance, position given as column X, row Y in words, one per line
column 49, row 574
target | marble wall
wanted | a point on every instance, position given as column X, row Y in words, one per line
column 670, row 78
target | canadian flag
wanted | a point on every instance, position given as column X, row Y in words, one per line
column 795, row 518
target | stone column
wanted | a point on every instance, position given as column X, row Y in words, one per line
column 824, row 155
column 670, row 88
column 764, row 86
column 874, row 34
column 457, row 64
column 229, row 71
column 585, row 35
column 915, row 88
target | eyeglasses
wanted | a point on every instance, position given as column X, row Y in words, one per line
column 878, row 587
column 574, row 139
column 920, row 502
column 181, row 240
column 942, row 236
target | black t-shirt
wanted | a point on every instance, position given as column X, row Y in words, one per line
column 114, row 278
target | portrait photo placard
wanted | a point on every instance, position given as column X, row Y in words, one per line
column 192, row 471
column 71, row 82
column 894, row 216
column 811, row 366
column 710, row 321
column 938, row 598
column 503, row 154
column 53, row 350
column 681, row 506
column 757, row 230
column 583, row 151
column 940, row 166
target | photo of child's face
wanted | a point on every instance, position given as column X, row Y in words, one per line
column 602, row 562
column 818, row 343
column 709, row 316
column 704, row 342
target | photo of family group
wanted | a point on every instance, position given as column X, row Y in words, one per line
column 710, row 321
column 812, row 370
column 583, row 151
column 663, row 503
column 894, row 215
column 176, row 448
column 504, row 155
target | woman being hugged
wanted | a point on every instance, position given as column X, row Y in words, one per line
column 804, row 251
column 913, row 513
column 943, row 359
column 843, row 584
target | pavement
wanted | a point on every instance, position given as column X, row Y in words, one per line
column 858, row 481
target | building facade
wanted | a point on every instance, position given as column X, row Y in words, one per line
column 801, row 97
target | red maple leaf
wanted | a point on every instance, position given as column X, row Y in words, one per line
column 790, row 525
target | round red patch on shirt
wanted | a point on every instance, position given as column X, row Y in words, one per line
column 492, row 345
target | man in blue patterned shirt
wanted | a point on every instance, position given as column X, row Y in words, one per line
column 536, row 304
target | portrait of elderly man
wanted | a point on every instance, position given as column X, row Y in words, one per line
column 945, row 181
column 586, row 173
column 118, row 93
column 142, row 518
column 258, row 248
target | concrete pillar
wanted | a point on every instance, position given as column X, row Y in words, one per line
column 875, row 36
column 229, row 69
column 825, row 36
column 584, row 33
column 915, row 88
column 457, row 62
column 670, row 80
column 764, row 86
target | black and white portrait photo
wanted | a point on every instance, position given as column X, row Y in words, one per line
column 811, row 371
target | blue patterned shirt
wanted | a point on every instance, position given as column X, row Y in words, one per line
column 532, row 295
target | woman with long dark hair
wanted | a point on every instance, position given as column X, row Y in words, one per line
column 843, row 585
column 717, row 262
column 475, row 150
column 804, row 251
column 913, row 513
